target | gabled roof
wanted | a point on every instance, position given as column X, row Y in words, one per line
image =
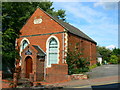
column 40, row 51
column 71, row 28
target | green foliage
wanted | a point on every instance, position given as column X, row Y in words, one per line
column 104, row 52
column 114, row 59
column 92, row 66
column 118, row 59
column 76, row 63
column 14, row 16
column 60, row 14
column 116, row 51
column 98, row 64
column 112, row 56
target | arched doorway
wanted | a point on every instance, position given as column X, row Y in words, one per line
column 29, row 66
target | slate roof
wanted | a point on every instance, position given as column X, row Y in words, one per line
column 76, row 31
column 71, row 28
column 40, row 51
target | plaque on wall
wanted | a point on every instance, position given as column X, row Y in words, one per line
column 37, row 21
column 28, row 52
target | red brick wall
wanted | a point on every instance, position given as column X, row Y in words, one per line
column 93, row 54
column 40, row 70
column 86, row 47
column 56, row 72
column 47, row 26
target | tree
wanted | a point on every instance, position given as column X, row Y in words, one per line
column 76, row 63
column 114, row 59
column 14, row 16
column 116, row 51
column 104, row 52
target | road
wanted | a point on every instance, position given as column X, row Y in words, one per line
column 103, row 77
column 104, row 71
column 112, row 86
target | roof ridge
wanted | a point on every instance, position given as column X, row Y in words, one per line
column 70, row 27
column 80, row 31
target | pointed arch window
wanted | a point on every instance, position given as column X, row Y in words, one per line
column 24, row 44
column 53, row 52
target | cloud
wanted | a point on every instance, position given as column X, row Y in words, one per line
column 107, row 5
column 81, row 11
column 110, row 47
column 103, row 34
column 99, row 24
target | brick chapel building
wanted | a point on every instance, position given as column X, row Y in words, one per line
column 42, row 46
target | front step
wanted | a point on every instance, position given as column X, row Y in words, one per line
column 24, row 82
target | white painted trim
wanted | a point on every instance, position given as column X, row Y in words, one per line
column 20, row 63
column 63, row 47
column 22, row 43
column 66, row 42
column 66, row 45
column 47, row 48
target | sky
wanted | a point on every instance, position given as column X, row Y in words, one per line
column 99, row 20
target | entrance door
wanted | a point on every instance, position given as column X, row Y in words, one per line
column 28, row 66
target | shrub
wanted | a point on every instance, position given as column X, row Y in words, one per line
column 92, row 66
column 114, row 59
column 76, row 63
column 98, row 64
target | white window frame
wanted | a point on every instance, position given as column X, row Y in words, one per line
column 21, row 44
column 47, row 49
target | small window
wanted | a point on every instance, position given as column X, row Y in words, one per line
column 24, row 44
column 53, row 52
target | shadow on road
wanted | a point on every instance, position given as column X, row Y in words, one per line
column 115, row 86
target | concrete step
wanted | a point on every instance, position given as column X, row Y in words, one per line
column 24, row 82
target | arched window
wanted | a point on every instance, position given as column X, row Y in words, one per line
column 53, row 51
column 24, row 44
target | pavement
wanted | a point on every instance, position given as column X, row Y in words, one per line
column 106, row 75
column 87, row 83
column 100, row 77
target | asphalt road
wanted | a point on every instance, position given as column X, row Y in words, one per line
column 110, row 86
column 104, row 71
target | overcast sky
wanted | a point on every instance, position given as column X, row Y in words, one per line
column 99, row 20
